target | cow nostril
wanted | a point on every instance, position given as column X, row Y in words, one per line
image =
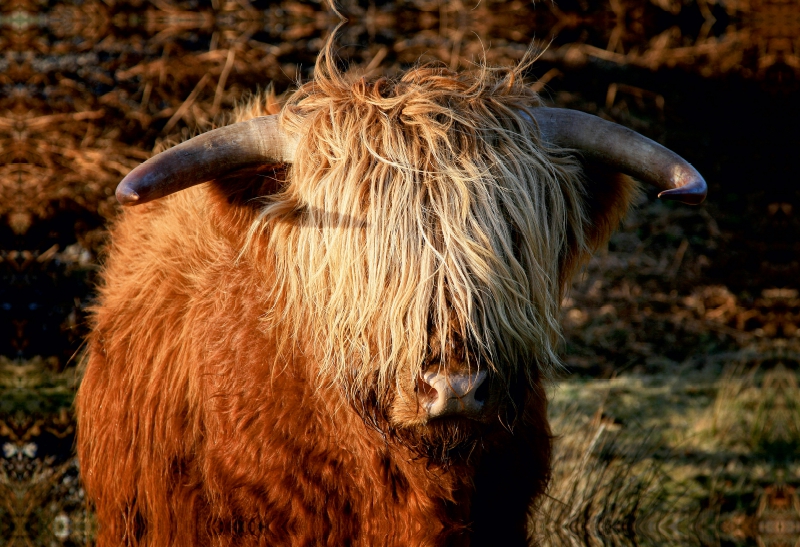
column 482, row 393
column 426, row 392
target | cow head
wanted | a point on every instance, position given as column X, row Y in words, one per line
column 425, row 230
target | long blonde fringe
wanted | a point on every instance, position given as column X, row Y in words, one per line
column 419, row 205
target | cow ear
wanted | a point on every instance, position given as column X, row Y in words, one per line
column 246, row 187
column 608, row 196
column 236, row 199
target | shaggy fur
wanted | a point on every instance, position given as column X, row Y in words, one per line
column 250, row 375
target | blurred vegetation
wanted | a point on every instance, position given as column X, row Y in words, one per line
column 677, row 416
column 695, row 458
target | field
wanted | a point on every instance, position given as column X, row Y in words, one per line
column 677, row 411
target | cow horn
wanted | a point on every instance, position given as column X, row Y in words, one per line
column 205, row 157
column 624, row 150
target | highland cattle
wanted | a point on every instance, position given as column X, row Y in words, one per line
column 342, row 337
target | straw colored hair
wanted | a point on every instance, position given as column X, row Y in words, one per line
column 419, row 213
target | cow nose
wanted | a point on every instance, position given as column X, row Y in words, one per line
column 454, row 394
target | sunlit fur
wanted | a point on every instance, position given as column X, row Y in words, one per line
column 250, row 373
column 416, row 204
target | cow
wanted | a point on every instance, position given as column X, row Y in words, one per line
column 333, row 324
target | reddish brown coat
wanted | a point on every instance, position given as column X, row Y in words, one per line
column 234, row 448
column 198, row 425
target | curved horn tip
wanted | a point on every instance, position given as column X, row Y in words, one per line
column 137, row 186
column 126, row 195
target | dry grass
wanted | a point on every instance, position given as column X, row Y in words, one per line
column 603, row 488
column 687, row 459
column 612, row 480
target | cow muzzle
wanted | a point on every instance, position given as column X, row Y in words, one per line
column 454, row 394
